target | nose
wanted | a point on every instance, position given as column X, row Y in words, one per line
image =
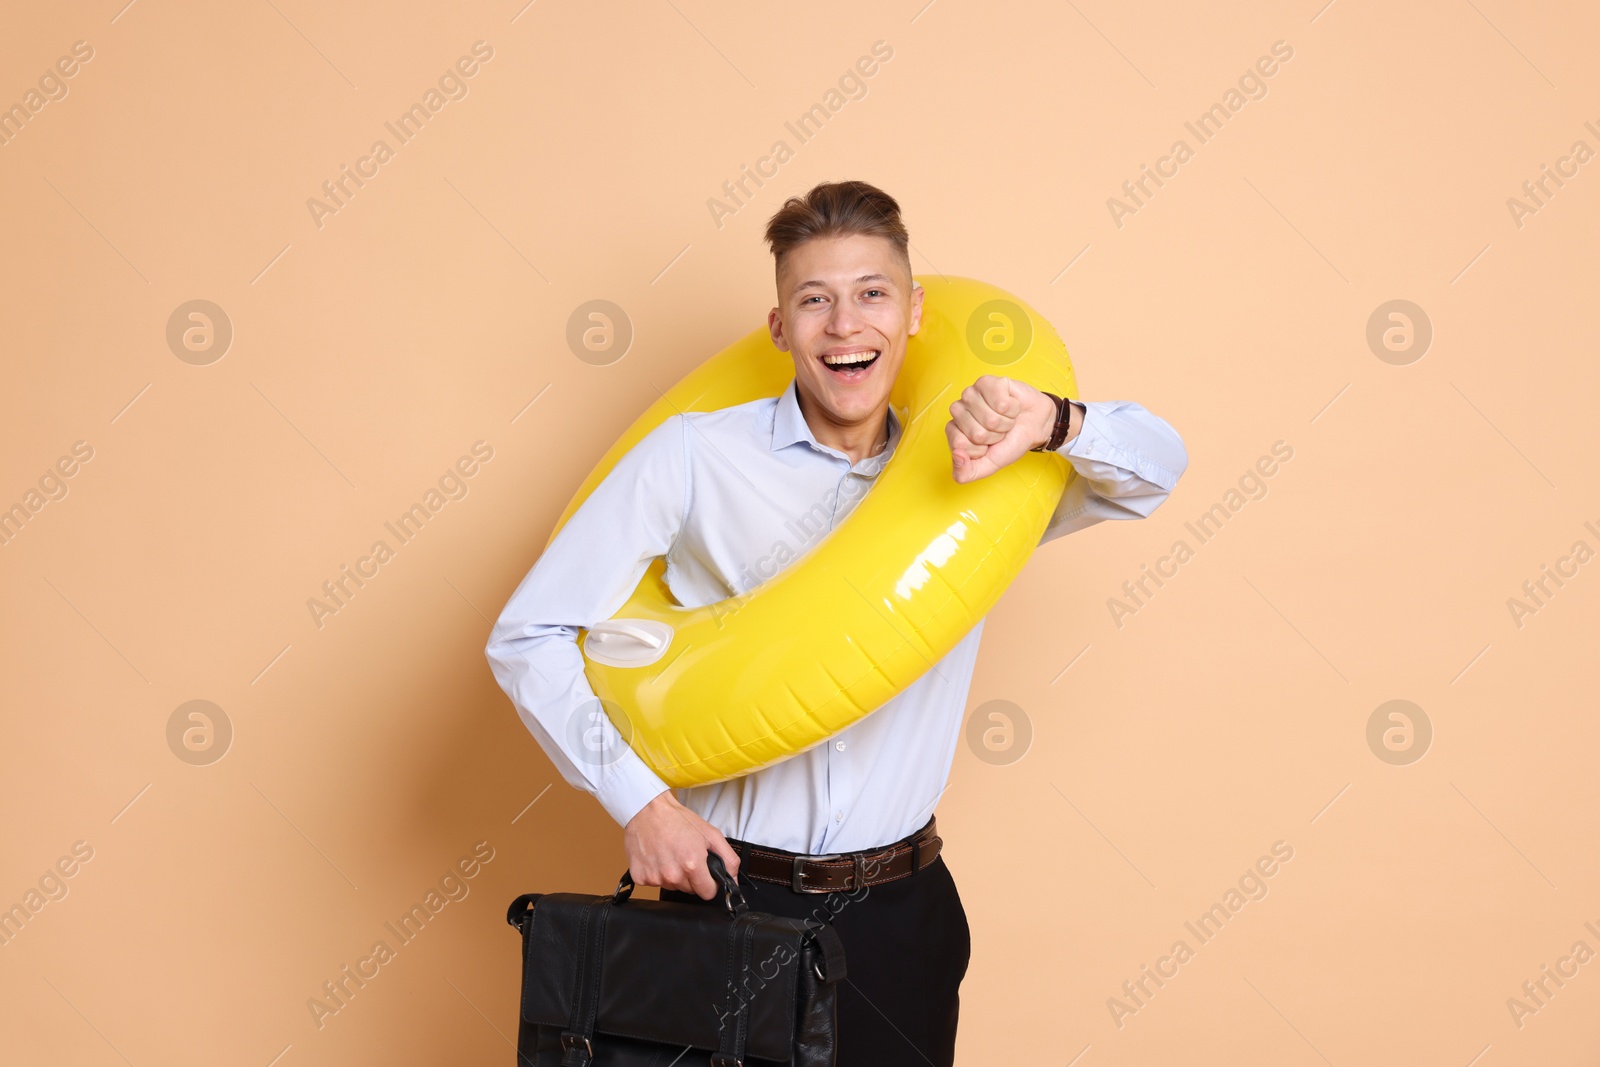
column 844, row 321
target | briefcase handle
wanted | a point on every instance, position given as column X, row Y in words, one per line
column 732, row 895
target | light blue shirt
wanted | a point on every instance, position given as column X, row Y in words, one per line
column 730, row 497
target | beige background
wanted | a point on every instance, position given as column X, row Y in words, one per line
column 1229, row 713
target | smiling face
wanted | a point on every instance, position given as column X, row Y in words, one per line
column 846, row 306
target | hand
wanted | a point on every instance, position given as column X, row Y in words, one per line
column 667, row 845
column 996, row 421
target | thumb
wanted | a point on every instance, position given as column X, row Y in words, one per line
column 719, row 844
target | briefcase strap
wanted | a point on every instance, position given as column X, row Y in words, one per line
column 577, row 1050
column 832, row 950
column 736, row 1031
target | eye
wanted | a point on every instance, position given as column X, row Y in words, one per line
column 871, row 291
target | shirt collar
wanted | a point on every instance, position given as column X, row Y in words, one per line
column 789, row 427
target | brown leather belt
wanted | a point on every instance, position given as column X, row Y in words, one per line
column 840, row 870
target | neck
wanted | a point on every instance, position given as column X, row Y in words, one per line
column 859, row 440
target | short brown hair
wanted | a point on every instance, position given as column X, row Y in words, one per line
column 837, row 209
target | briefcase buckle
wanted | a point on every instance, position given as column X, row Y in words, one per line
column 570, row 1040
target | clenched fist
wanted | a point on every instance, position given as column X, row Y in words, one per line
column 994, row 423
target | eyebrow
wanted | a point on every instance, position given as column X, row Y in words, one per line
column 816, row 283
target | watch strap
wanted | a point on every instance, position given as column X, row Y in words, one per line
column 1058, row 433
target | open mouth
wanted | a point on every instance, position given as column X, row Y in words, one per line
column 851, row 366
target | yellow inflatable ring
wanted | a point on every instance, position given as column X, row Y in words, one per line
column 709, row 693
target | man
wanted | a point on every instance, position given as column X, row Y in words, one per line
column 714, row 492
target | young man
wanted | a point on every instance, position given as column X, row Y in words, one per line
column 713, row 492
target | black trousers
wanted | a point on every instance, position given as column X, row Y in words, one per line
column 906, row 945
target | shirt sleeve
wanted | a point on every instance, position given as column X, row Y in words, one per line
column 1127, row 461
column 588, row 571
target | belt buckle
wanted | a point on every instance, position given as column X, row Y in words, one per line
column 857, row 876
column 794, row 873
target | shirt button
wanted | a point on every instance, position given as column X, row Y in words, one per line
column 838, row 816
column 839, row 745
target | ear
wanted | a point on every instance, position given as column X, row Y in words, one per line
column 775, row 327
column 917, row 293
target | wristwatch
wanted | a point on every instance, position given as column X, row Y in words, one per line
column 1063, row 421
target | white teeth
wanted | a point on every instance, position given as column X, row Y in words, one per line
column 852, row 357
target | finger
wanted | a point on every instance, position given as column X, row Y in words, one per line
column 973, row 470
column 974, row 429
column 961, row 413
column 983, row 407
column 697, row 877
column 719, row 845
column 966, row 466
column 997, row 393
column 965, row 470
column 961, row 445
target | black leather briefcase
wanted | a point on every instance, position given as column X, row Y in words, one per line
column 613, row 982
